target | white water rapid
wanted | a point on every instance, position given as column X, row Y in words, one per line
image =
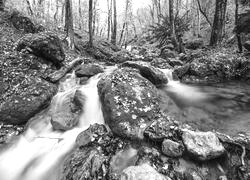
column 38, row 152
column 184, row 95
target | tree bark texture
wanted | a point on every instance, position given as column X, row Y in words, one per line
column 218, row 23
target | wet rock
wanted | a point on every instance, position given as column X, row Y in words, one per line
column 212, row 68
column 172, row 149
column 66, row 114
column 154, row 75
column 129, row 102
column 88, row 70
column 21, row 105
column 92, row 133
column 194, row 44
column 160, row 129
column 54, row 77
column 166, row 53
column 121, row 56
column 182, row 70
column 23, row 23
column 8, row 131
column 84, row 80
column 142, row 172
column 174, row 62
column 101, row 50
column 161, row 63
column 45, row 45
column 202, row 145
column 247, row 45
column 85, row 163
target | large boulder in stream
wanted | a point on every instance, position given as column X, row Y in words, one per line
column 45, row 44
column 203, row 145
column 212, row 67
column 129, row 102
column 154, row 75
column 66, row 110
column 28, row 98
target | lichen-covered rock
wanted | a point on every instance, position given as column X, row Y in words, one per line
column 161, row 63
column 21, row 105
column 23, row 23
column 172, row 149
column 213, row 67
column 93, row 132
column 45, row 44
column 202, row 145
column 66, row 110
column 142, row 172
column 129, row 102
column 88, row 70
column 166, row 53
column 160, row 129
column 84, row 163
column 149, row 72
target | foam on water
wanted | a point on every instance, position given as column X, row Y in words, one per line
column 38, row 152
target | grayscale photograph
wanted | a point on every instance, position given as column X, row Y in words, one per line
column 124, row 89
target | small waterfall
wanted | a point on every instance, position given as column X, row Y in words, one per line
column 183, row 95
column 38, row 153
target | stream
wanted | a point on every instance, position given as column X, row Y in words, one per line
column 224, row 107
column 38, row 153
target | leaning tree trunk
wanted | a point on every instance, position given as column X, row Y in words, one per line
column 114, row 29
column 91, row 23
column 236, row 24
column 69, row 23
column 1, row 5
column 218, row 24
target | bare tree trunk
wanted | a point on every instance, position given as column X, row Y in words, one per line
column 114, row 29
column 56, row 13
column 69, row 23
column 90, row 23
column 94, row 16
column 219, row 20
column 1, row 5
column 29, row 7
column 109, row 2
column 236, row 23
column 125, row 21
column 172, row 26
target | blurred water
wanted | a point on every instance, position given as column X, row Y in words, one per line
column 39, row 151
column 224, row 107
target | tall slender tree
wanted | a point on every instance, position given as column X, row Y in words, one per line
column 236, row 23
column 172, row 25
column 218, row 23
column 69, row 23
column 1, row 5
column 114, row 28
column 91, row 23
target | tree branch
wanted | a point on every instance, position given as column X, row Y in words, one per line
column 204, row 13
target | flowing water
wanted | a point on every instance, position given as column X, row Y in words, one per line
column 223, row 107
column 38, row 152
